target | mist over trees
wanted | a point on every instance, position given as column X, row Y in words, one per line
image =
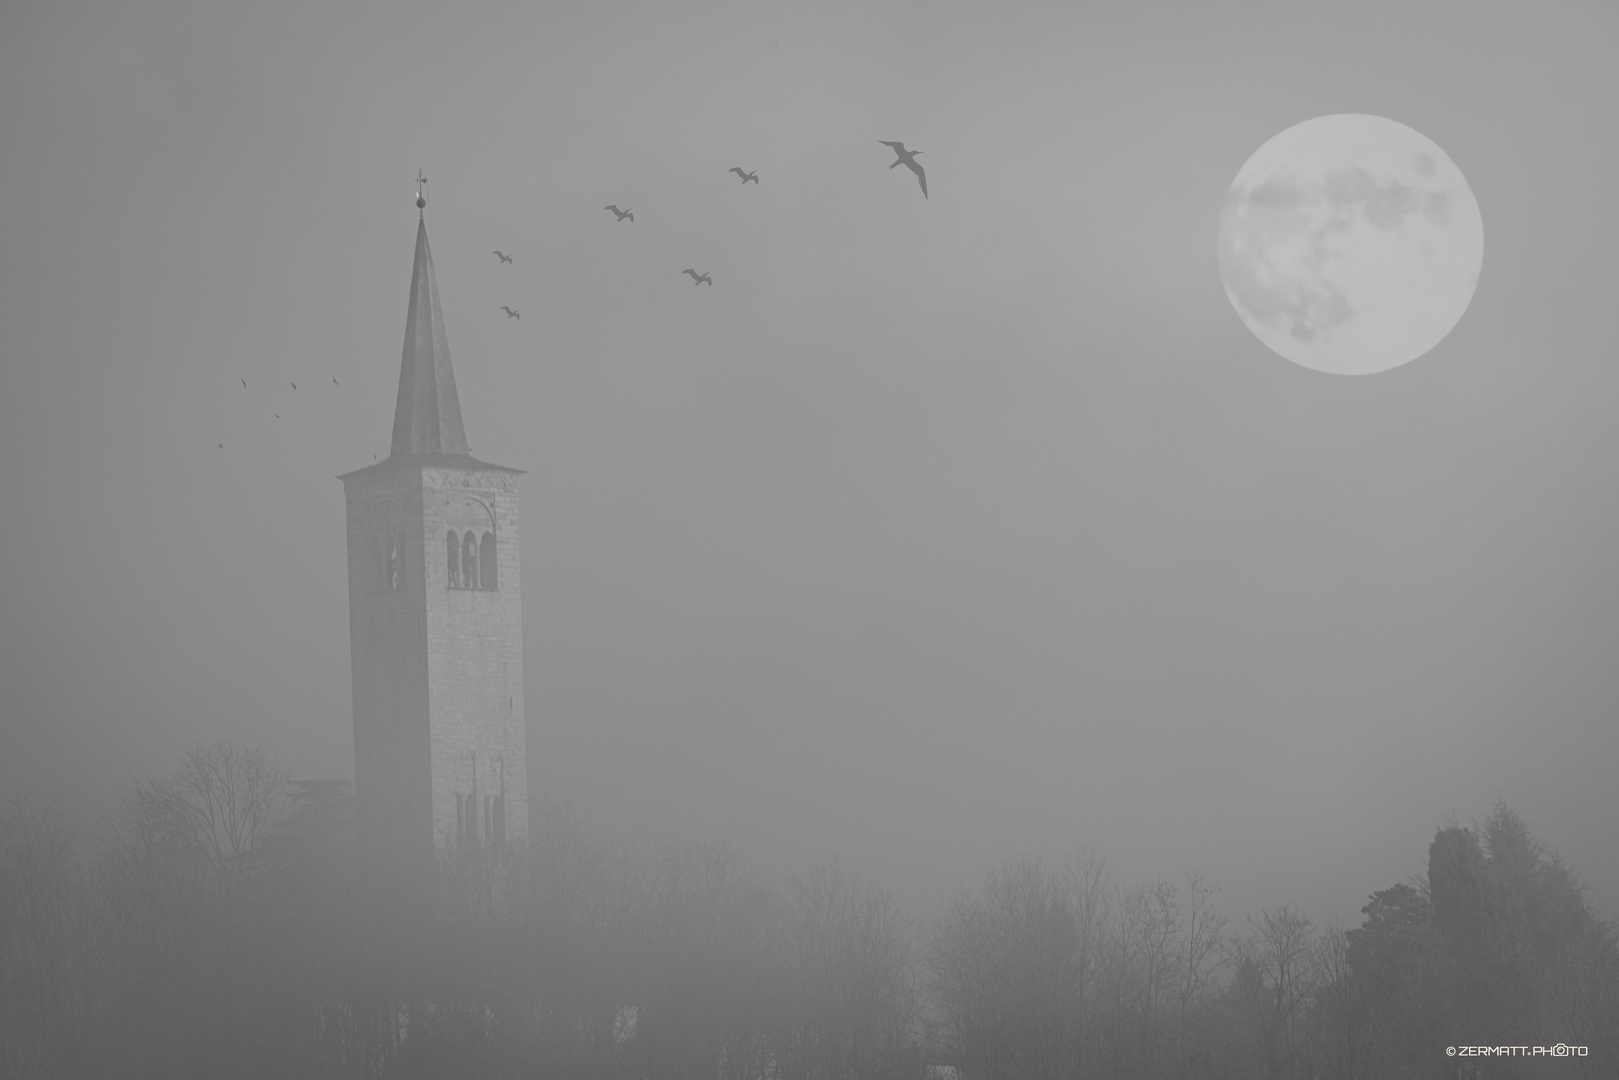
column 225, row 922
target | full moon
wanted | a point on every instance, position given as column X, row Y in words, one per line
column 1350, row 244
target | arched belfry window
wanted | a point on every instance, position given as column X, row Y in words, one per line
column 486, row 562
column 469, row 561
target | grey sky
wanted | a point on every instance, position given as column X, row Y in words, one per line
column 935, row 530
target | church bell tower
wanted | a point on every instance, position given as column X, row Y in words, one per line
column 435, row 615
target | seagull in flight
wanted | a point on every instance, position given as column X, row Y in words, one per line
column 503, row 258
column 510, row 314
column 244, row 382
column 697, row 279
column 746, row 176
column 907, row 158
column 335, row 382
column 294, row 385
column 622, row 214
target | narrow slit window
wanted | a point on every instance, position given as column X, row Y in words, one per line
column 486, row 562
column 452, row 550
column 390, row 562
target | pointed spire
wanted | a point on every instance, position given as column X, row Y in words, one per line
column 427, row 419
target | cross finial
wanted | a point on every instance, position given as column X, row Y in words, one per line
column 421, row 190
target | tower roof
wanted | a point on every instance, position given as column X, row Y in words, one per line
column 427, row 418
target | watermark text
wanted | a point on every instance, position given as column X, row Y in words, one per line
column 1560, row 1050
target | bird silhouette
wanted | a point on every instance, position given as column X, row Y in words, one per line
column 222, row 446
column 244, row 382
column 335, row 382
column 907, row 158
column 510, row 314
column 276, row 415
column 294, row 386
column 696, row 279
column 746, row 176
column 622, row 214
column 503, row 258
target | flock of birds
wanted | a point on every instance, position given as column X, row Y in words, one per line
column 275, row 415
column 903, row 157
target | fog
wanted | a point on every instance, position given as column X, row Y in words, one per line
column 936, row 532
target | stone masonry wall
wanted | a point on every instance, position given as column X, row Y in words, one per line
column 474, row 640
column 438, row 671
column 389, row 660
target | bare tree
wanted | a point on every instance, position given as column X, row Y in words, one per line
column 705, row 985
column 852, row 1003
column 49, row 954
column 225, row 800
column 1149, row 928
column 1006, row 975
column 1087, row 888
column 190, row 976
column 1584, row 991
column 1202, row 936
column 1272, row 988
column 154, row 877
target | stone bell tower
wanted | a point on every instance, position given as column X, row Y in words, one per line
column 435, row 615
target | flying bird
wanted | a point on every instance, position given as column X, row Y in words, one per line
column 294, row 385
column 696, row 279
column 276, row 415
column 222, row 446
column 504, row 258
column 510, row 314
column 746, row 176
column 907, row 158
column 335, row 382
column 622, row 214
column 244, row 382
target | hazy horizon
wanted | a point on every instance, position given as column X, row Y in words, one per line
column 936, row 530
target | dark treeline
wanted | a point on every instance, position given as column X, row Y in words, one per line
column 226, row 923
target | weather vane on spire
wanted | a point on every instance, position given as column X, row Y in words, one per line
column 421, row 190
